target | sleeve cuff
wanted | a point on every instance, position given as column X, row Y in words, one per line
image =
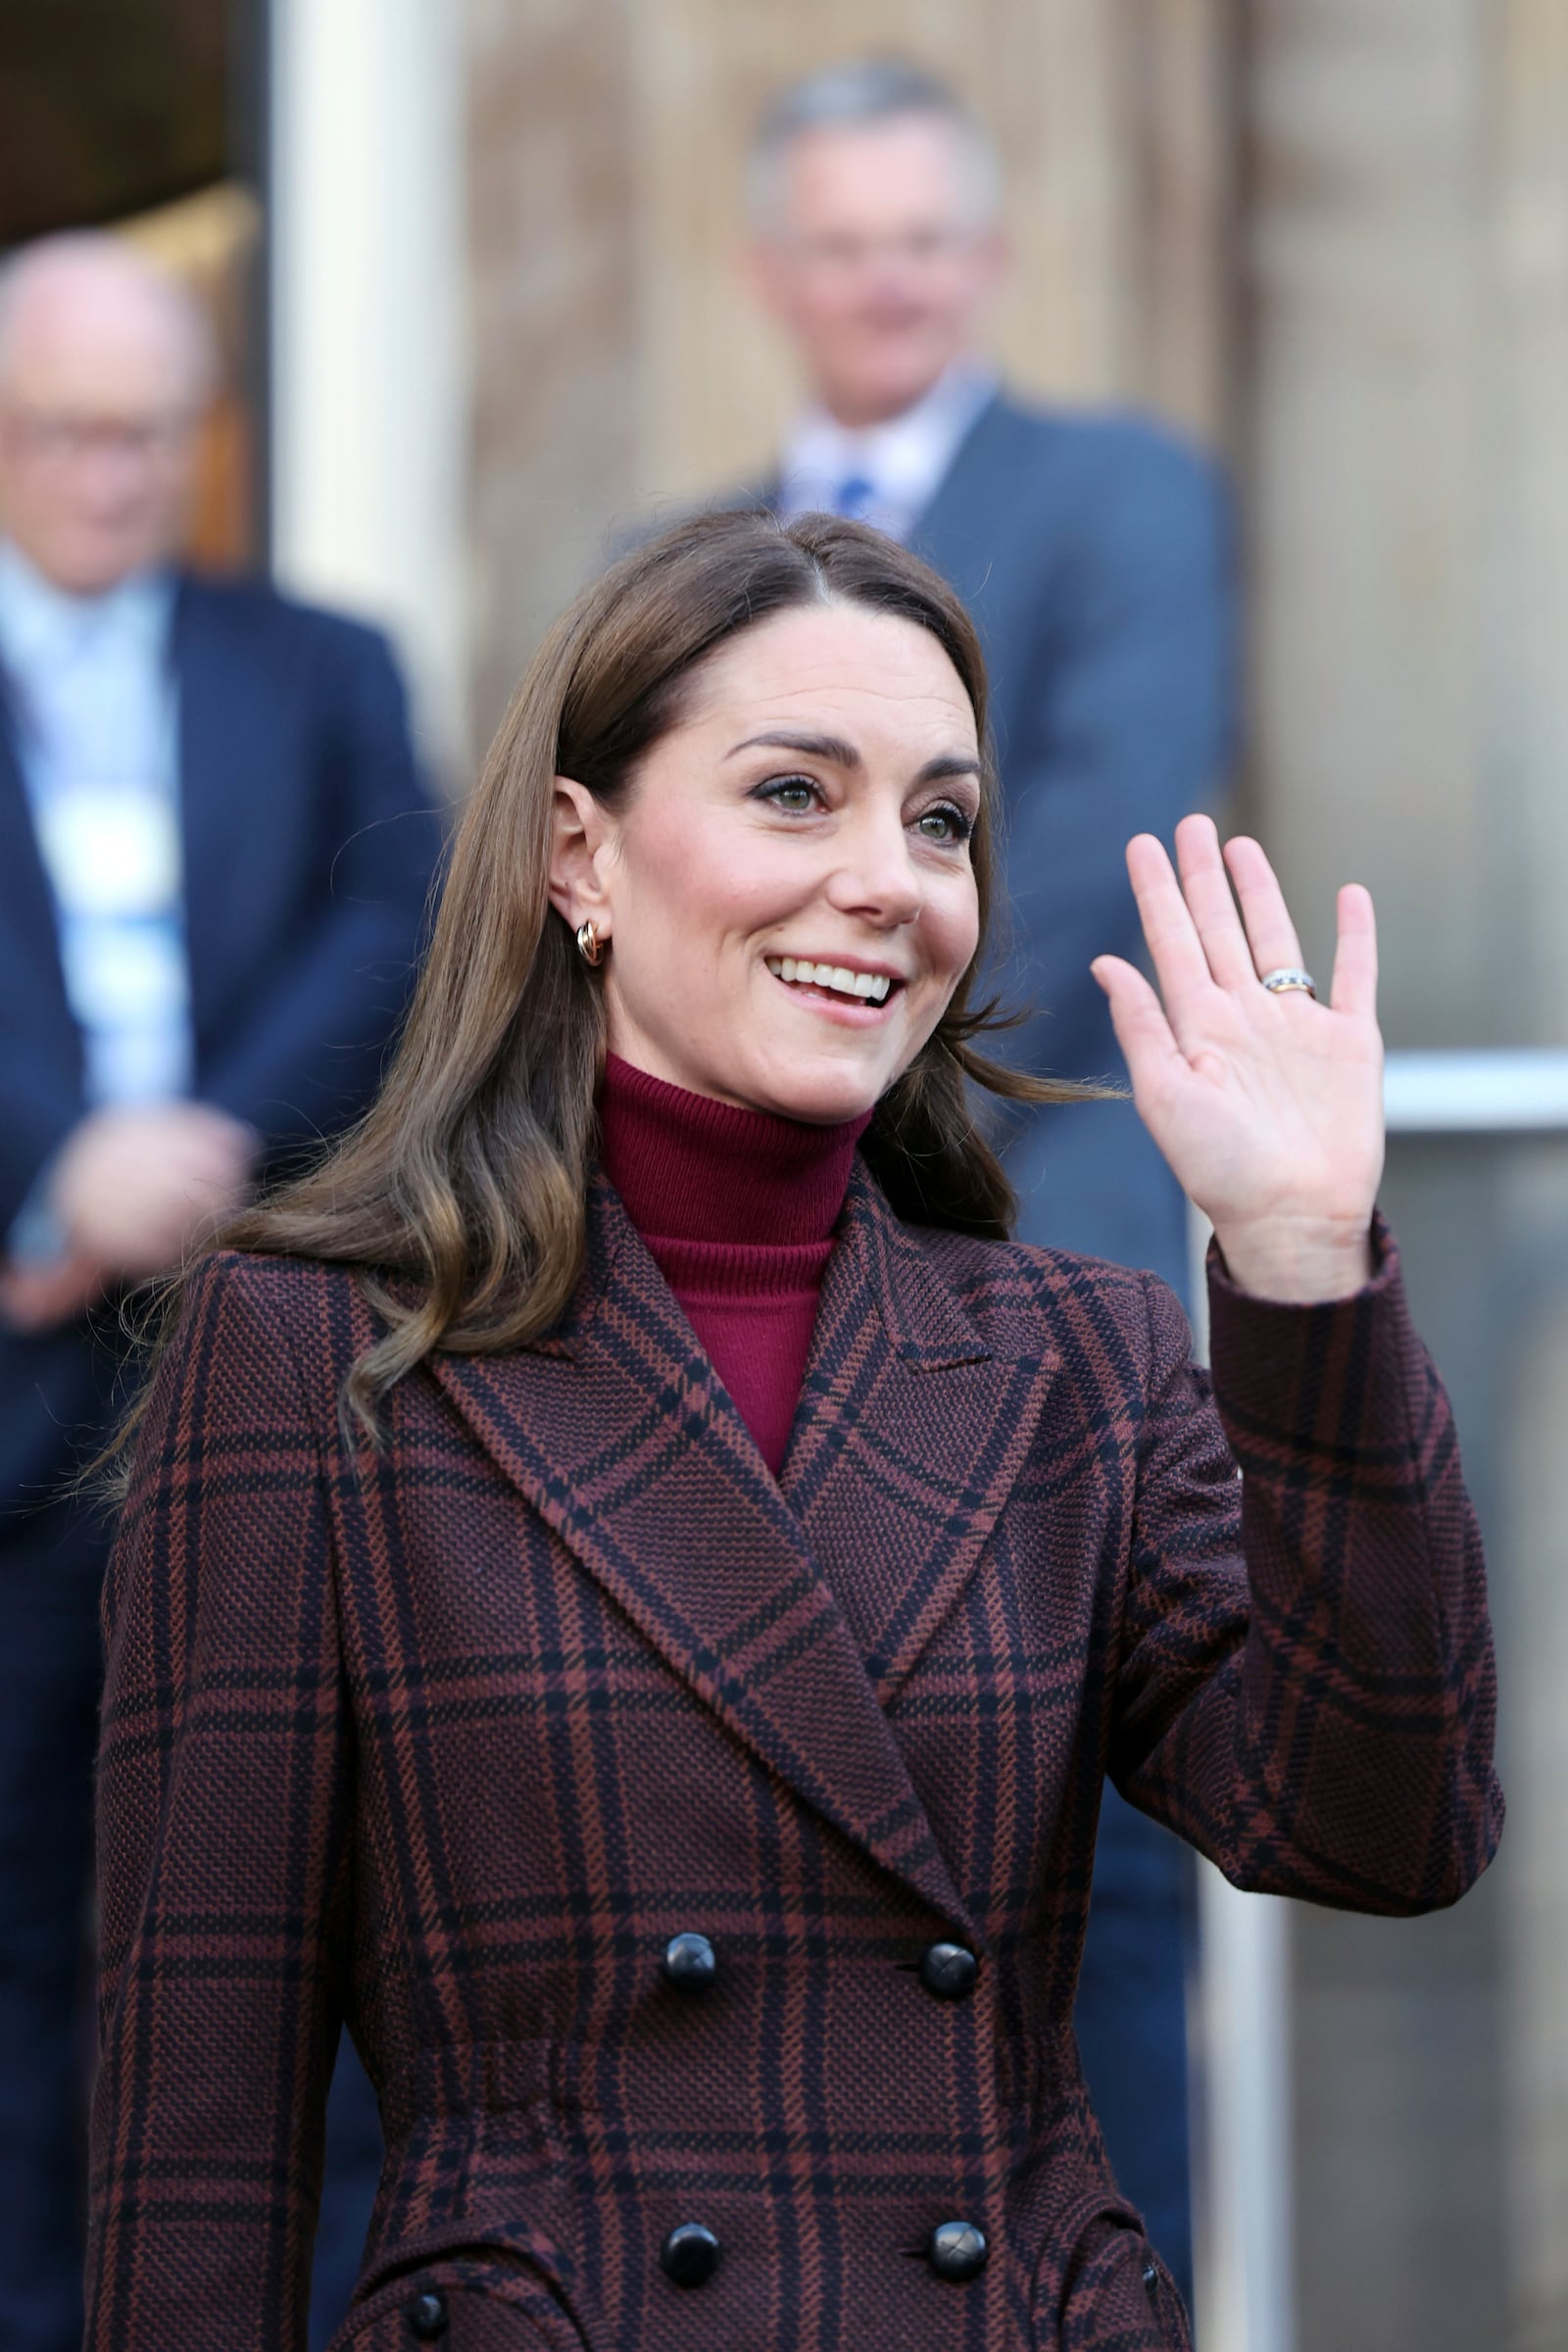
column 1274, row 1364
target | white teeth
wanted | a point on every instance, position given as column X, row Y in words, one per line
column 873, row 987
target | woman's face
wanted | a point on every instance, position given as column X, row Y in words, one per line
column 786, row 890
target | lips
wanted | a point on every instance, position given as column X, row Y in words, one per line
column 836, row 979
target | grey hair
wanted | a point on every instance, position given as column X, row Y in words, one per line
column 865, row 91
column 86, row 251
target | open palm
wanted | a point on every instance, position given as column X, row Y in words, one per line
column 1269, row 1107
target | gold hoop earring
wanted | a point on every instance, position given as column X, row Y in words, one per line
column 590, row 947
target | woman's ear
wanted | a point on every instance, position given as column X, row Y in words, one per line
column 582, row 832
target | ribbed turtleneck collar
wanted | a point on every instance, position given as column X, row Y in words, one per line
column 692, row 1169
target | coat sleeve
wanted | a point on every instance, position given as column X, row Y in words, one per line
column 1306, row 1688
column 309, row 1057
column 222, row 1836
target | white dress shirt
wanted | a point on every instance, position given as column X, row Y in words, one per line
column 95, row 701
column 903, row 461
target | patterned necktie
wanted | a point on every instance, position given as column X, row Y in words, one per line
column 853, row 498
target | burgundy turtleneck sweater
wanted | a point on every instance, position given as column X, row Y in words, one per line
column 737, row 1209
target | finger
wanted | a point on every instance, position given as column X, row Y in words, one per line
column 1142, row 1032
column 1174, row 947
column 1208, row 892
column 1270, row 932
column 1356, row 955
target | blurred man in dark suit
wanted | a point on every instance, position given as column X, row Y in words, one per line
column 214, row 858
column 1093, row 552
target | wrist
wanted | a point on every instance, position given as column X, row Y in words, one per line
column 1299, row 1262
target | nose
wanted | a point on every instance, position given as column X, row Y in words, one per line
column 877, row 880
column 113, row 476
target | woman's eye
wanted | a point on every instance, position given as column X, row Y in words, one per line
column 794, row 793
column 946, row 823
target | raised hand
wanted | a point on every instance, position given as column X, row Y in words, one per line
column 1269, row 1107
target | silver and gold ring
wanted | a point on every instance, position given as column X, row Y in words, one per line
column 1288, row 979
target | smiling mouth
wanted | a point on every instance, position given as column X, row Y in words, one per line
column 833, row 979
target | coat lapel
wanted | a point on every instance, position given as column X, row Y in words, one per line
column 912, row 1426
column 621, row 1436
column 215, row 734
column 26, row 903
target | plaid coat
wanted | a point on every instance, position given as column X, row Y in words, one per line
column 458, row 1743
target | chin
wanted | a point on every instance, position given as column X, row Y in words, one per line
column 89, row 571
column 821, row 1098
column 894, row 379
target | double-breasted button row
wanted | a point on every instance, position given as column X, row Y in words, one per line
column 691, row 2252
column 949, row 1971
column 955, row 2250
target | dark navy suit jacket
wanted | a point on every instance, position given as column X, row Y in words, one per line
column 1094, row 554
column 308, row 846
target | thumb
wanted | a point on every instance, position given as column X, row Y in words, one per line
column 1138, row 1017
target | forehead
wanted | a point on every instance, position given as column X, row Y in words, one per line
column 883, row 682
column 91, row 341
column 873, row 170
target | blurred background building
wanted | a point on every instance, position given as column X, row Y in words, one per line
column 480, row 302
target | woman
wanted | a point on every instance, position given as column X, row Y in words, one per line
column 630, row 1583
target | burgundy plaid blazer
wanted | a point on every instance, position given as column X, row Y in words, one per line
column 457, row 1741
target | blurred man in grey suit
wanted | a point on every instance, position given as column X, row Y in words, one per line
column 1093, row 552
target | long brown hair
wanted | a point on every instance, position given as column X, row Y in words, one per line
column 460, row 1196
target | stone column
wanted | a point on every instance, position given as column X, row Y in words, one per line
column 367, row 347
column 551, row 184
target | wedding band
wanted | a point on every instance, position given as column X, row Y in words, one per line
column 1287, row 978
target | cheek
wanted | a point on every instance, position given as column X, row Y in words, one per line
column 698, row 889
column 955, row 929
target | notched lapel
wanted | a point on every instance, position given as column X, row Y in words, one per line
column 914, row 1425
column 623, row 1437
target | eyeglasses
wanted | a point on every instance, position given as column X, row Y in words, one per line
column 68, row 440
column 915, row 248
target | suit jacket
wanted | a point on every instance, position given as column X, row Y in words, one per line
column 309, row 846
column 455, row 1741
column 1093, row 555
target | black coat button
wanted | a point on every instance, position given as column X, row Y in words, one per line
column 428, row 2317
column 1151, row 2283
column 690, row 2254
column 948, row 1970
column 956, row 2250
column 690, row 1962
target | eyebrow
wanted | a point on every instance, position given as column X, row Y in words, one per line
column 833, row 748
